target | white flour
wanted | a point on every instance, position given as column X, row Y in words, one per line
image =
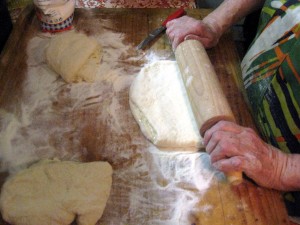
column 25, row 134
column 174, row 182
column 180, row 180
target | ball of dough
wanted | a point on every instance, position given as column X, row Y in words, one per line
column 160, row 105
column 56, row 192
column 74, row 56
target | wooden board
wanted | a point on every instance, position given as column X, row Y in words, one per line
column 89, row 122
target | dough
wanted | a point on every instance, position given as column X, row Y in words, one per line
column 55, row 192
column 160, row 105
column 74, row 56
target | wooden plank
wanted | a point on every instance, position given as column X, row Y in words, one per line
column 149, row 186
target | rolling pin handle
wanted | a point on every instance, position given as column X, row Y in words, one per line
column 234, row 177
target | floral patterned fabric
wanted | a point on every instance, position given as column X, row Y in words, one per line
column 271, row 73
column 135, row 4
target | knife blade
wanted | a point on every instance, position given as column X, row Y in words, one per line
column 153, row 34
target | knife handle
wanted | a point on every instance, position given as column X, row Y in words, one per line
column 179, row 13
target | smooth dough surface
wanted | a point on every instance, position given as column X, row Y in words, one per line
column 56, row 192
column 160, row 105
column 74, row 56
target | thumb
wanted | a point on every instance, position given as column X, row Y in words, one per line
column 192, row 37
column 204, row 41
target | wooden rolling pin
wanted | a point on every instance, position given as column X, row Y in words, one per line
column 207, row 99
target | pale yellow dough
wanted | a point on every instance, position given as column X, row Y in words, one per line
column 56, row 192
column 160, row 105
column 74, row 56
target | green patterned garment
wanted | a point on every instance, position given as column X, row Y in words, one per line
column 271, row 74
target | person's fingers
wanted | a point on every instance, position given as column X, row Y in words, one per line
column 176, row 41
column 192, row 37
column 171, row 37
column 225, row 148
column 205, row 41
column 169, row 24
column 221, row 126
column 228, row 126
column 174, row 46
column 169, row 29
column 213, row 141
column 229, row 165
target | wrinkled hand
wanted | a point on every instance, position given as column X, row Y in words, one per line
column 185, row 28
column 236, row 148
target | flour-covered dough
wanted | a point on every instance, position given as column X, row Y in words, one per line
column 56, row 192
column 74, row 56
column 160, row 105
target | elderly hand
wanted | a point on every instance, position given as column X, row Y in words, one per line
column 185, row 28
column 236, row 148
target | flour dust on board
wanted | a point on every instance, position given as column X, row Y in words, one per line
column 92, row 121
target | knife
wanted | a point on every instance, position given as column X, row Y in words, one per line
column 180, row 12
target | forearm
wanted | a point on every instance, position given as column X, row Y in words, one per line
column 290, row 173
column 230, row 12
